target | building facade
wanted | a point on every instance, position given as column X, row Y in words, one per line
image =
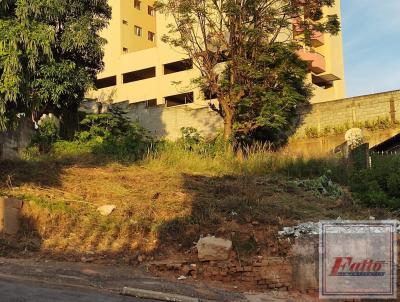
column 141, row 69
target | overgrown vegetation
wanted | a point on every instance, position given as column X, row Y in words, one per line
column 321, row 187
column 378, row 186
column 372, row 125
column 111, row 134
column 178, row 191
column 163, row 207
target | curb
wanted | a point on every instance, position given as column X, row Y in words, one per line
column 149, row 294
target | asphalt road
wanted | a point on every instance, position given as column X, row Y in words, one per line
column 12, row 291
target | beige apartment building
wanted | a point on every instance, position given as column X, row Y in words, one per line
column 141, row 69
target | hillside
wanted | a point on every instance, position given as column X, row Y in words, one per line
column 159, row 211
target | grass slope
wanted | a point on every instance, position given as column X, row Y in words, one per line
column 164, row 204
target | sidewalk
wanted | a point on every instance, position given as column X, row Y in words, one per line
column 112, row 278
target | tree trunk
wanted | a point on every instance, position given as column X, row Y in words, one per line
column 228, row 116
column 228, row 125
column 228, row 122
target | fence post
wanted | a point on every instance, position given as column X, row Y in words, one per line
column 359, row 157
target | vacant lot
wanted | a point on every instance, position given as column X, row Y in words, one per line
column 160, row 209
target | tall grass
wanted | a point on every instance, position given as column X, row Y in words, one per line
column 257, row 159
column 184, row 156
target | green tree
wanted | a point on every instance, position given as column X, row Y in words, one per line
column 246, row 55
column 50, row 53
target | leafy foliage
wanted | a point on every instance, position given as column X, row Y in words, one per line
column 47, row 133
column 246, row 55
column 379, row 185
column 322, row 186
column 50, row 52
column 190, row 138
column 105, row 125
column 110, row 133
column 269, row 107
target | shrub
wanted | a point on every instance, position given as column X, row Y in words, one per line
column 380, row 185
column 321, row 187
column 190, row 137
column 191, row 140
column 30, row 153
column 47, row 133
column 105, row 125
column 111, row 134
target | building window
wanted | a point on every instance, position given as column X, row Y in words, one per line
column 208, row 95
column 179, row 99
column 139, row 75
column 138, row 31
column 136, row 4
column 125, row 50
column 178, row 66
column 124, row 22
column 151, row 36
column 106, row 82
column 151, row 103
column 150, row 10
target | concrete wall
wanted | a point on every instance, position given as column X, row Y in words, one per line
column 167, row 121
column 324, row 145
column 13, row 142
column 352, row 111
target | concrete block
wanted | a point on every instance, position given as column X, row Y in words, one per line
column 10, row 209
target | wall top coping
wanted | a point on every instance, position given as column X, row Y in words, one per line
column 360, row 97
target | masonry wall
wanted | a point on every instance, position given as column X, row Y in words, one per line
column 321, row 146
column 167, row 121
column 348, row 112
column 13, row 142
column 352, row 111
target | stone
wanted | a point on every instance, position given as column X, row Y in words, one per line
column 107, row 209
column 10, row 209
column 354, row 137
column 211, row 248
column 142, row 258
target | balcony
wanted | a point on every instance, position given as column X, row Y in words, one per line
column 317, row 39
column 316, row 60
column 297, row 30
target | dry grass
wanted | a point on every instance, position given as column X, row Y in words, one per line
column 163, row 204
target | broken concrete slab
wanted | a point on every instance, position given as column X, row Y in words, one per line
column 212, row 248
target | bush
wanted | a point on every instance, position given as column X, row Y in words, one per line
column 380, row 185
column 321, row 187
column 192, row 141
column 105, row 125
column 46, row 134
column 111, row 134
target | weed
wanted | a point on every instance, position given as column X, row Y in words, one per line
column 321, row 187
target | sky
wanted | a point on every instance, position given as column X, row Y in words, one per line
column 371, row 40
